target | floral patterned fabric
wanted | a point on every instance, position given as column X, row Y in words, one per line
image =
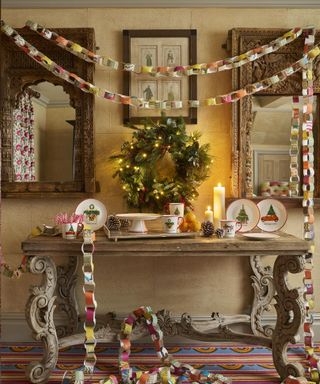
column 23, row 139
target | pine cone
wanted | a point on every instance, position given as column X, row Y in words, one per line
column 220, row 233
column 113, row 223
column 124, row 223
column 207, row 228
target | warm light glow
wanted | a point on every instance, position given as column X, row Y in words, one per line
column 209, row 208
column 144, row 155
column 219, row 184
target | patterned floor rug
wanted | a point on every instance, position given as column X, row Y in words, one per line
column 243, row 364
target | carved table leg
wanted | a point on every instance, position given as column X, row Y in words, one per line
column 66, row 300
column 39, row 314
column 263, row 294
column 290, row 314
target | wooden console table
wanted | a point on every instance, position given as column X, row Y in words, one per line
column 58, row 288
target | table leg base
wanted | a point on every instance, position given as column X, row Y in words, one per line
column 39, row 314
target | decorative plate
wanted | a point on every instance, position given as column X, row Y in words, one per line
column 260, row 236
column 273, row 215
column 244, row 211
column 94, row 213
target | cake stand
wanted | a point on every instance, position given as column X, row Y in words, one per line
column 138, row 220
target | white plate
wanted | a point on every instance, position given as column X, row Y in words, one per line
column 94, row 213
column 260, row 236
column 273, row 215
column 244, row 211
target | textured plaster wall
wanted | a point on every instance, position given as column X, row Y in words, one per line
column 196, row 285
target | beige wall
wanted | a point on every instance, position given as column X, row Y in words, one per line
column 198, row 286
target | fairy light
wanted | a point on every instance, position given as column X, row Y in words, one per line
column 120, row 169
column 127, row 166
column 144, row 155
column 120, row 161
column 156, row 145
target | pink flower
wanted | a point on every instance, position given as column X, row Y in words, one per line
column 18, row 147
column 19, row 162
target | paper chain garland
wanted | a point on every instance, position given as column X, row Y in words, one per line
column 90, row 302
column 137, row 102
column 172, row 371
column 294, row 148
column 164, row 71
column 308, row 203
column 13, row 273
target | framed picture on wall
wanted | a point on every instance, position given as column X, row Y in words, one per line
column 160, row 47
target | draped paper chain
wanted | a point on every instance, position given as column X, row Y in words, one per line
column 294, row 148
column 313, row 363
column 164, row 71
column 137, row 102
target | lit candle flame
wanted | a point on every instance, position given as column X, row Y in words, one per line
column 219, row 184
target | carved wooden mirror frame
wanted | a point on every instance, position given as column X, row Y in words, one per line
column 19, row 71
column 242, row 40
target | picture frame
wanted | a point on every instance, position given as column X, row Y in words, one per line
column 159, row 47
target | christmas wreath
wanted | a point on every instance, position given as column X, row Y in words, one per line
column 162, row 164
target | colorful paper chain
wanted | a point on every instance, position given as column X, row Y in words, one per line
column 174, row 71
column 313, row 362
column 90, row 302
column 11, row 273
column 294, row 148
column 137, row 102
column 172, row 371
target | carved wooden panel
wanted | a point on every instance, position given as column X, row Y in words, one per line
column 241, row 41
column 19, row 71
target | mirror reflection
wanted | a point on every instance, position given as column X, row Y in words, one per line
column 270, row 141
column 43, row 134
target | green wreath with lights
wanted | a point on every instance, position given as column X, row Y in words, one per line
column 162, row 164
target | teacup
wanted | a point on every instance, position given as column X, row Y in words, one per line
column 176, row 209
column 70, row 231
column 171, row 223
column 230, row 227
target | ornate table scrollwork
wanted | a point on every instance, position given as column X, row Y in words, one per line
column 66, row 298
column 39, row 314
column 291, row 313
column 264, row 291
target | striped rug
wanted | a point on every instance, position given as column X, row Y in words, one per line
column 243, row 364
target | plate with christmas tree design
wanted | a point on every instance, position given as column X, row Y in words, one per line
column 273, row 215
column 244, row 211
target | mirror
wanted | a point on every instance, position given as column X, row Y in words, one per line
column 270, row 144
column 55, row 154
column 261, row 123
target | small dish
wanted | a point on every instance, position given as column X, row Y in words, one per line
column 273, row 215
column 137, row 220
column 260, row 236
column 94, row 213
column 245, row 212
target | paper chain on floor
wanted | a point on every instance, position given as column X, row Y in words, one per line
column 175, row 71
column 137, row 102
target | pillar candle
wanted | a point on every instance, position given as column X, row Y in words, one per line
column 218, row 204
column 208, row 215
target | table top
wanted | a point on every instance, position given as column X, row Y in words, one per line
column 198, row 246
